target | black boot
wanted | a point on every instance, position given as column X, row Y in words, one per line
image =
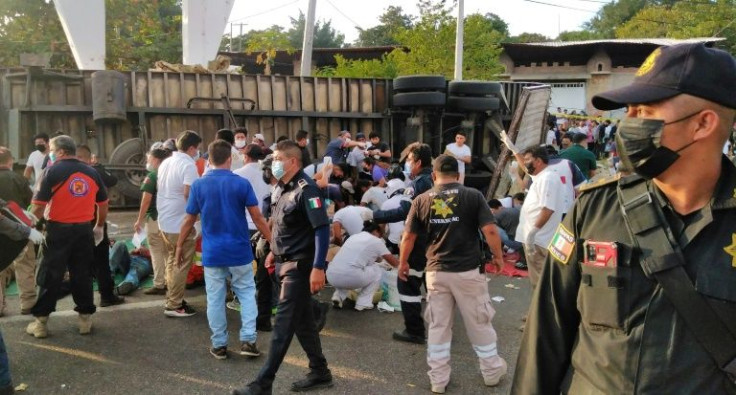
column 313, row 381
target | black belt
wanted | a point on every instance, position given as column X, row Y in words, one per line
column 290, row 258
column 68, row 225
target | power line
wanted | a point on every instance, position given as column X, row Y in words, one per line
column 343, row 14
column 265, row 12
column 561, row 6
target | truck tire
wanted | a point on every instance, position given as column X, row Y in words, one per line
column 413, row 83
column 129, row 152
column 419, row 99
column 473, row 104
column 474, row 88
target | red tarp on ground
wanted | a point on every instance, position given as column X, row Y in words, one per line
column 508, row 267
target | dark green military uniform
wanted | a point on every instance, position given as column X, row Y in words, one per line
column 609, row 329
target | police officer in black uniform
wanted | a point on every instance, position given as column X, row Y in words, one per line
column 300, row 239
column 419, row 159
column 639, row 293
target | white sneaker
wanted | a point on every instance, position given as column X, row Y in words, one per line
column 336, row 301
column 438, row 389
column 363, row 308
column 493, row 381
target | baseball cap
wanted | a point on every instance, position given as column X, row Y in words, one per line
column 394, row 185
column 694, row 69
column 259, row 137
column 346, row 185
column 445, row 164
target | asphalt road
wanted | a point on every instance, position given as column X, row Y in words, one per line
column 135, row 349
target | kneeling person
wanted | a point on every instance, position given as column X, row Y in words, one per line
column 354, row 267
column 221, row 198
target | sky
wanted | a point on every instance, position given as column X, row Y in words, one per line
column 521, row 15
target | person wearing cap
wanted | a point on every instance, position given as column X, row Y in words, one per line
column 299, row 241
column 395, row 195
column 148, row 219
column 337, row 148
column 637, row 295
column 419, row 163
column 451, row 215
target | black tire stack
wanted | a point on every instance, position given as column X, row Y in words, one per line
column 475, row 96
column 419, row 91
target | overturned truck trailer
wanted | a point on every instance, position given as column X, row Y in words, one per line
column 119, row 115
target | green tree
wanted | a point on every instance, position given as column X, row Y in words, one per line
column 685, row 19
column 138, row 33
column 612, row 15
column 32, row 26
column 266, row 43
column 529, row 38
column 324, row 35
column 578, row 35
column 370, row 68
column 141, row 32
column 392, row 21
column 428, row 48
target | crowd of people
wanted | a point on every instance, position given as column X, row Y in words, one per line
column 622, row 270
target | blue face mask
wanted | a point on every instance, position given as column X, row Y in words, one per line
column 52, row 156
column 196, row 156
column 277, row 169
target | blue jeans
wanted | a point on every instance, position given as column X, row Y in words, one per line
column 136, row 268
column 5, row 380
column 244, row 287
column 505, row 240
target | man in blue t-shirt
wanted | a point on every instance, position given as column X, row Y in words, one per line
column 221, row 198
column 338, row 148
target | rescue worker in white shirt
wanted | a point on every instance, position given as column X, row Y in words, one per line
column 354, row 267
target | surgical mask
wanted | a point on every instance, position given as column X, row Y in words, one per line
column 41, row 147
column 277, row 169
column 52, row 156
column 640, row 148
column 239, row 143
column 149, row 167
column 407, row 166
column 196, row 156
column 307, row 141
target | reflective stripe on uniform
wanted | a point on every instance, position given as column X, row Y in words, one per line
column 416, row 273
column 438, row 351
column 410, row 299
column 486, row 351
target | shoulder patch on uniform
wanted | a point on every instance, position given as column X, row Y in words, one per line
column 562, row 244
column 600, row 183
column 302, row 183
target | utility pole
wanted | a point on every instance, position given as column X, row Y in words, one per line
column 459, row 41
column 306, row 65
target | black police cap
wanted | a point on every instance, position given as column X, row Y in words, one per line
column 693, row 69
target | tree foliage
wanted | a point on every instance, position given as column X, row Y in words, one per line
column 428, row 47
column 32, row 26
column 138, row 33
column 529, row 38
column 324, row 35
column 578, row 35
column 265, row 43
column 685, row 19
column 391, row 21
column 612, row 15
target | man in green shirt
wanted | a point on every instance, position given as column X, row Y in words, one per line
column 580, row 155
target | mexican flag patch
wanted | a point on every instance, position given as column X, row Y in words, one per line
column 315, row 202
column 562, row 244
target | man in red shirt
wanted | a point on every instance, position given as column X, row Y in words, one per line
column 71, row 189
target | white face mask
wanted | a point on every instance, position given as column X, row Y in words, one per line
column 239, row 143
column 149, row 167
column 307, row 141
column 196, row 156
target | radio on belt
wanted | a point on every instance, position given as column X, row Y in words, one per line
column 600, row 253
